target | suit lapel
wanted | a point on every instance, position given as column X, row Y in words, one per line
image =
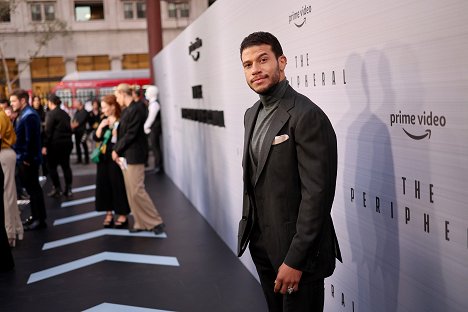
column 279, row 119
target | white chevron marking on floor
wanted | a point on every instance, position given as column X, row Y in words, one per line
column 79, row 217
column 78, row 201
column 103, row 256
column 98, row 233
column 84, row 188
column 105, row 307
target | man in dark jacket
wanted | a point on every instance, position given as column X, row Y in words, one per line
column 290, row 165
column 80, row 120
column 28, row 156
column 58, row 146
column 130, row 153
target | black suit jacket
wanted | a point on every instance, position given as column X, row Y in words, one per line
column 131, row 138
column 294, row 187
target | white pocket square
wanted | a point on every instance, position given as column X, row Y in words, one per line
column 280, row 139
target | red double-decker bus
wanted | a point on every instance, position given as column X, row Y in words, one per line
column 88, row 85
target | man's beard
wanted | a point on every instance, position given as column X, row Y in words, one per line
column 275, row 79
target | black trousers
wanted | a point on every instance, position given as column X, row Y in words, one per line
column 110, row 187
column 6, row 258
column 59, row 154
column 29, row 175
column 80, row 141
column 309, row 297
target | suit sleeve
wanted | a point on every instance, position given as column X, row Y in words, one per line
column 316, row 154
column 49, row 128
column 32, row 127
column 134, row 123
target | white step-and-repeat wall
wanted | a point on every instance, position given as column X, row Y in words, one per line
column 393, row 78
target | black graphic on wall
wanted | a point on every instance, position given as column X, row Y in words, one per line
column 193, row 47
column 197, row 92
column 211, row 117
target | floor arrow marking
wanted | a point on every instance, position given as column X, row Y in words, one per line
column 103, row 256
column 79, row 217
column 84, row 188
column 104, row 307
column 99, row 233
column 76, row 202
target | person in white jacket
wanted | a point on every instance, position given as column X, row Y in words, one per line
column 152, row 125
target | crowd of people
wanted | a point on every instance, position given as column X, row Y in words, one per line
column 38, row 139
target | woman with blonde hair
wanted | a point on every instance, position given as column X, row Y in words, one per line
column 130, row 153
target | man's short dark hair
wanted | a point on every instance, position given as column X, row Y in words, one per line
column 4, row 101
column 54, row 99
column 21, row 94
column 259, row 38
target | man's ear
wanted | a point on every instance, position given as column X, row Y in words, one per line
column 282, row 61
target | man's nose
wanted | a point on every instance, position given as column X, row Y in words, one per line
column 255, row 68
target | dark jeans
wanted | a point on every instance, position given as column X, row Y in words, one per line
column 29, row 175
column 59, row 154
column 309, row 297
column 80, row 141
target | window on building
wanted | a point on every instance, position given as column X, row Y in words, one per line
column 5, row 11
column 46, row 72
column 180, row 9
column 128, row 10
column 172, row 10
column 89, row 11
column 184, row 10
column 134, row 9
column 135, row 61
column 93, row 62
column 42, row 11
column 141, row 9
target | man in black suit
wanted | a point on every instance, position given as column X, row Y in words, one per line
column 290, row 164
column 130, row 153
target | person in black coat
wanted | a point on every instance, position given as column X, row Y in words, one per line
column 290, row 165
column 130, row 153
column 110, row 187
column 58, row 146
column 37, row 105
column 79, row 123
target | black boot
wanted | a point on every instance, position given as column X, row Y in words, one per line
column 68, row 191
column 56, row 192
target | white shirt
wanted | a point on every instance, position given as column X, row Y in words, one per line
column 153, row 110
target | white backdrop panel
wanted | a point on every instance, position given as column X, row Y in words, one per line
column 392, row 77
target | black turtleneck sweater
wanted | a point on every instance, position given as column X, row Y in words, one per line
column 270, row 102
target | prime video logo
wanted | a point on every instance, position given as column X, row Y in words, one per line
column 424, row 120
column 298, row 18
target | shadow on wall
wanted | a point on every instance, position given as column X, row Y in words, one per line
column 371, row 214
column 371, row 207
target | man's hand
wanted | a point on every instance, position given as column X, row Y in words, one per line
column 115, row 156
column 287, row 278
column 44, row 151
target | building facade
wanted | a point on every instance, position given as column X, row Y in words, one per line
column 80, row 35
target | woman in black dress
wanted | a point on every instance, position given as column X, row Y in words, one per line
column 110, row 187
